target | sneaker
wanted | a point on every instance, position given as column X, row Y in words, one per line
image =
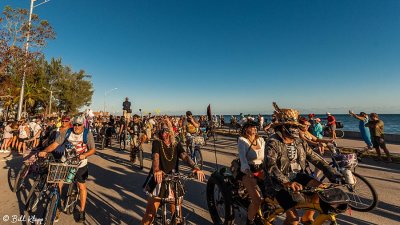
column 1, row 151
column 6, row 151
column 57, row 216
column 82, row 217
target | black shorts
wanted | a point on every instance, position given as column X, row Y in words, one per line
column 82, row 174
column 22, row 139
column 378, row 142
column 283, row 196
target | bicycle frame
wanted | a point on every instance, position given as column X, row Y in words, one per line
column 319, row 220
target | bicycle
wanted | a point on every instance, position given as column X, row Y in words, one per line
column 106, row 133
column 327, row 132
column 137, row 151
column 124, row 139
column 194, row 149
column 39, row 184
column 29, row 167
column 59, row 172
column 355, row 185
column 226, row 197
column 174, row 183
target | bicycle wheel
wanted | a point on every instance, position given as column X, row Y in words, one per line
column 219, row 202
column 34, row 194
column 51, row 210
column 72, row 199
column 122, row 142
column 141, row 158
column 103, row 140
column 339, row 133
column 198, row 157
column 19, row 181
column 362, row 195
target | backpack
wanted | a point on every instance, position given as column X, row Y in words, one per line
column 61, row 148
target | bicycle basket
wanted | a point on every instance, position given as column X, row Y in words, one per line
column 198, row 140
column 333, row 200
column 347, row 160
column 61, row 173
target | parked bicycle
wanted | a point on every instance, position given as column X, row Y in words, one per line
column 194, row 149
column 363, row 196
column 327, row 132
column 228, row 201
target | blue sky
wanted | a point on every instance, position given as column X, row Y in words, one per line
column 239, row 56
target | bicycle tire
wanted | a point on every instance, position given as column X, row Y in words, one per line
column 103, row 139
column 51, row 210
column 19, row 180
column 122, row 142
column 339, row 133
column 228, row 216
column 198, row 158
column 374, row 201
column 141, row 158
column 356, row 205
column 33, row 197
column 71, row 197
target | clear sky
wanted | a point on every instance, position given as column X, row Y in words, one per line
column 239, row 56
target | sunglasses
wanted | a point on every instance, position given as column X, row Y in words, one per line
column 65, row 121
column 77, row 125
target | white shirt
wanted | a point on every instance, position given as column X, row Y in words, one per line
column 249, row 156
column 36, row 129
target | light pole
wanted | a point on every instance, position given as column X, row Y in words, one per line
column 105, row 94
column 21, row 95
column 51, row 96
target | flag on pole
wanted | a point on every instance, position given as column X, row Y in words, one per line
column 209, row 114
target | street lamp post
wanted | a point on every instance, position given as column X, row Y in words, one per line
column 28, row 35
column 105, row 94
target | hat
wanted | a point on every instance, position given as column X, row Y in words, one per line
column 250, row 123
column 328, row 113
column 285, row 116
column 66, row 118
column 78, row 120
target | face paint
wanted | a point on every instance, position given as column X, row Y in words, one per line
column 165, row 135
column 294, row 132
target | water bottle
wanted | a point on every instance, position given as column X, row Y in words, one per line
column 348, row 176
column 71, row 175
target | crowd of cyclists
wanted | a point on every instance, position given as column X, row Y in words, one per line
column 279, row 161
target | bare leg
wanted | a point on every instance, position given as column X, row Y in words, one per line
column 292, row 218
column 309, row 214
column 82, row 195
column 151, row 210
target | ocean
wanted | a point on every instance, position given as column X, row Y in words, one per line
column 392, row 121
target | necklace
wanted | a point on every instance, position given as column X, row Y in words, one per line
column 165, row 155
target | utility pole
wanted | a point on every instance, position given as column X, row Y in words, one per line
column 21, row 95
